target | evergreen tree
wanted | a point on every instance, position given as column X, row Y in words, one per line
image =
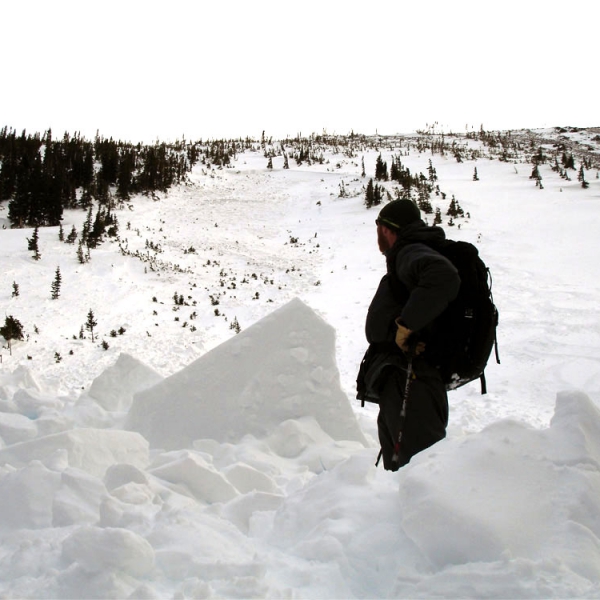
column 377, row 195
column 81, row 257
column 56, row 284
column 33, row 244
column 475, row 175
column 556, row 167
column 540, row 157
column 455, row 210
column 12, row 330
column 72, row 236
column 91, row 323
column 125, row 171
column 15, row 291
column 432, row 172
column 85, row 201
column 568, row 161
column 87, row 226
column 535, row 174
column 95, row 234
column 581, row 178
column 424, row 204
column 381, row 169
column 370, row 194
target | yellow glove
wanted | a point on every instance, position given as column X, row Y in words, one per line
column 405, row 340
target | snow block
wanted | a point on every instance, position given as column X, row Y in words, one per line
column 27, row 496
column 37, row 497
column 16, row 428
column 200, row 478
column 20, row 378
column 506, row 491
column 99, row 550
column 281, row 368
column 115, row 387
column 91, row 450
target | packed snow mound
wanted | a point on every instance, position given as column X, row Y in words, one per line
column 281, row 368
column 511, row 491
column 115, row 387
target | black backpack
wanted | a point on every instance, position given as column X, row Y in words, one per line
column 465, row 333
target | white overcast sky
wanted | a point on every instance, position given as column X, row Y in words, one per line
column 146, row 70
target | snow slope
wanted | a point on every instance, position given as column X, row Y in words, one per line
column 189, row 461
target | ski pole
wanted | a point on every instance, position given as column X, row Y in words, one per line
column 409, row 375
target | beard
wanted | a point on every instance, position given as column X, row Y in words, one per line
column 382, row 242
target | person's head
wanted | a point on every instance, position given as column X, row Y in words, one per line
column 392, row 218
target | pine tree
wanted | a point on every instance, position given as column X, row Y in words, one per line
column 56, row 285
column 125, row 170
column 373, row 194
column 15, row 291
column 455, row 210
column 235, row 325
column 475, row 175
column 369, row 195
column 377, row 195
column 32, row 244
column 432, row 172
column 80, row 255
column 568, row 161
column 540, row 157
column 87, row 226
column 535, row 174
column 91, row 323
column 72, row 236
column 381, row 169
column 581, row 178
column 94, row 236
column 12, row 330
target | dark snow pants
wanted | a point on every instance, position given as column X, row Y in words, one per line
column 426, row 411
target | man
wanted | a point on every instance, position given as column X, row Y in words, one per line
column 400, row 329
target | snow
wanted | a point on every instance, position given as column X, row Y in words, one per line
column 191, row 461
column 282, row 368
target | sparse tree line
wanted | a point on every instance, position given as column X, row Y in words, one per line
column 40, row 176
column 14, row 330
column 91, row 235
column 562, row 166
column 413, row 187
column 506, row 146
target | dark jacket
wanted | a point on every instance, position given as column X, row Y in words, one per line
column 417, row 287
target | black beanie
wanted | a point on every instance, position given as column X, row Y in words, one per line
column 398, row 213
